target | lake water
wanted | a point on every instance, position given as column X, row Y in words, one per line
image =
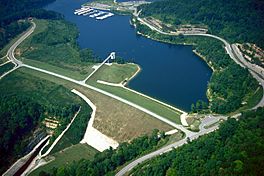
column 171, row 73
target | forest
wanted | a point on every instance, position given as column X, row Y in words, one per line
column 106, row 162
column 58, row 42
column 230, row 84
column 237, row 148
column 14, row 10
column 21, row 116
column 237, row 21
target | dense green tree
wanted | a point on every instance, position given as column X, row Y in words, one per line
column 106, row 162
column 237, row 21
column 235, row 149
column 14, row 10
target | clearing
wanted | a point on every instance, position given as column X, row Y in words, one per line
column 116, row 74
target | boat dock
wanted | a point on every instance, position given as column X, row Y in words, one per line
column 93, row 13
column 105, row 16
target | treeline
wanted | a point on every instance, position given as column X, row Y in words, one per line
column 64, row 115
column 19, row 116
column 237, row 148
column 58, row 43
column 10, row 31
column 14, row 10
column 237, row 21
column 230, row 84
column 76, row 131
column 106, row 162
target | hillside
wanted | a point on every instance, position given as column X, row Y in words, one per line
column 237, row 21
column 235, row 149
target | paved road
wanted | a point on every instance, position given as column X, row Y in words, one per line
column 60, row 136
column 233, row 53
column 10, row 53
column 210, row 120
column 82, row 83
column 165, row 149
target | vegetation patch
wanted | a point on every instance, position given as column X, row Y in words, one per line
column 106, row 162
column 236, row 21
column 53, row 46
column 5, row 68
column 116, row 73
column 65, row 158
column 15, row 11
column 43, row 99
column 230, row 84
column 113, row 118
column 232, row 150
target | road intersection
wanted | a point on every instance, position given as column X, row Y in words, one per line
column 189, row 135
column 234, row 54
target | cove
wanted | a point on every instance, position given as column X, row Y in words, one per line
column 170, row 73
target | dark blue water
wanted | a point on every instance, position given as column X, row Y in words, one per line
column 171, row 73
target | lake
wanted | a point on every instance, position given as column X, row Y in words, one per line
column 170, row 73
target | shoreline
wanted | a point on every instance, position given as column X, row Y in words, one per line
column 126, row 82
column 204, row 59
column 185, row 44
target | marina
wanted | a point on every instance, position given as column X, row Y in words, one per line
column 90, row 13
column 169, row 72
column 93, row 13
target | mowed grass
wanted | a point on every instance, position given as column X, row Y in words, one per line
column 66, row 157
column 144, row 102
column 6, row 68
column 116, row 73
column 78, row 75
column 113, row 118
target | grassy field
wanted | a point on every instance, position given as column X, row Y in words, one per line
column 67, row 156
column 72, row 73
column 116, row 73
column 43, row 91
column 6, row 68
column 113, row 118
column 147, row 103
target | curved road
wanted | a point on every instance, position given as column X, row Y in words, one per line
column 165, row 149
column 82, row 83
column 233, row 52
